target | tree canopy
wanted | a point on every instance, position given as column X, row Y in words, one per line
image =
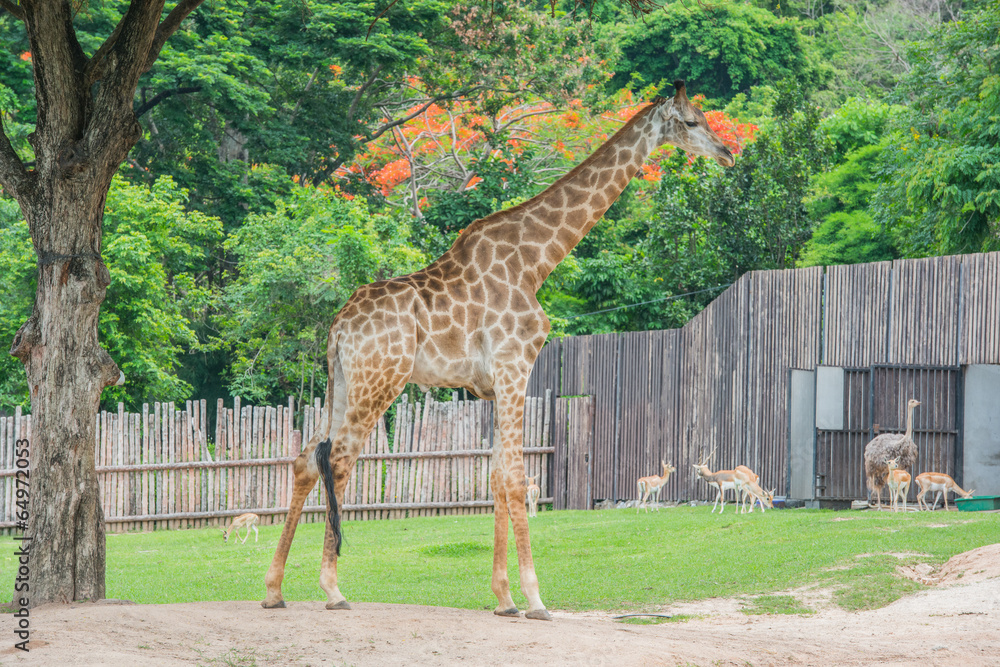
column 290, row 152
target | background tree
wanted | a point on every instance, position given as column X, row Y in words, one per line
column 940, row 189
column 758, row 216
column 296, row 267
column 722, row 49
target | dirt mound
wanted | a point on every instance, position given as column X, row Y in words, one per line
column 971, row 566
column 965, row 568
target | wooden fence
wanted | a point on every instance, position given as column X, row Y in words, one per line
column 721, row 382
column 159, row 469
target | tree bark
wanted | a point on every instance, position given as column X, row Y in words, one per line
column 67, row 370
column 85, row 127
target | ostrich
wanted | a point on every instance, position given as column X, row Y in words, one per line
column 887, row 446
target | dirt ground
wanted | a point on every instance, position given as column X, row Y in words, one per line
column 956, row 622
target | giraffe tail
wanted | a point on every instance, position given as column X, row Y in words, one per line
column 326, row 471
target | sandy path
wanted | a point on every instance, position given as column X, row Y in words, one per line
column 956, row 624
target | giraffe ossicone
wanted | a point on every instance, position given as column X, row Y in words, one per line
column 471, row 320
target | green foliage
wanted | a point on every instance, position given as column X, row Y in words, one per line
column 503, row 178
column 719, row 48
column 249, row 102
column 839, row 200
column 857, row 123
column 17, row 290
column 17, row 105
column 157, row 254
column 757, row 211
column 942, row 182
column 296, row 266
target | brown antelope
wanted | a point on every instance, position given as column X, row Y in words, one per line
column 651, row 486
column 898, row 482
column 755, row 491
column 532, row 496
column 248, row 521
column 940, row 484
column 756, row 494
column 722, row 480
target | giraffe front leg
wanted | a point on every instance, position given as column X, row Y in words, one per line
column 500, row 582
column 525, row 563
column 304, row 482
column 510, row 460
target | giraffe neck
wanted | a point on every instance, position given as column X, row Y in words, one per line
column 547, row 227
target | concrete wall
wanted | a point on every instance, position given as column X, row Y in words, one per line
column 981, row 446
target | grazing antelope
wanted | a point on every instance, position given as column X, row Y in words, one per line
column 940, row 484
column 532, row 496
column 898, row 482
column 722, row 480
column 651, row 486
column 756, row 494
column 248, row 521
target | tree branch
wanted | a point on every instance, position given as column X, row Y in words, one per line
column 13, row 175
column 168, row 27
column 162, row 95
column 400, row 121
column 15, row 10
column 95, row 68
column 361, row 91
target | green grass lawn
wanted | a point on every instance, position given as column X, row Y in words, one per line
column 609, row 560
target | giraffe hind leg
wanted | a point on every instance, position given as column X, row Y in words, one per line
column 305, row 480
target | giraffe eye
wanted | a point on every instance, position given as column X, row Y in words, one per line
column 691, row 123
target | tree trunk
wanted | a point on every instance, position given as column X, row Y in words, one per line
column 67, row 369
column 85, row 127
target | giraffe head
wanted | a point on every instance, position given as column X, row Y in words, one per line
column 684, row 125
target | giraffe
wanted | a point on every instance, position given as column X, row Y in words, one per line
column 471, row 320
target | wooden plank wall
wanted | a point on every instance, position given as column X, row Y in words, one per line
column 924, row 306
column 158, row 468
column 721, row 382
column 856, row 314
column 785, row 314
column 714, row 404
column 979, row 321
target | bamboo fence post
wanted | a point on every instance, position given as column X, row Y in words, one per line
column 119, row 460
column 171, row 417
column 144, row 505
column 231, row 441
column 7, row 460
column 544, row 486
column 158, row 457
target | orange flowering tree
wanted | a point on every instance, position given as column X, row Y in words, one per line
column 443, row 148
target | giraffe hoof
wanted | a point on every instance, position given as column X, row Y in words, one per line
column 266, row 604
column 513, row 612
column 343, row 604
column 538, row 615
